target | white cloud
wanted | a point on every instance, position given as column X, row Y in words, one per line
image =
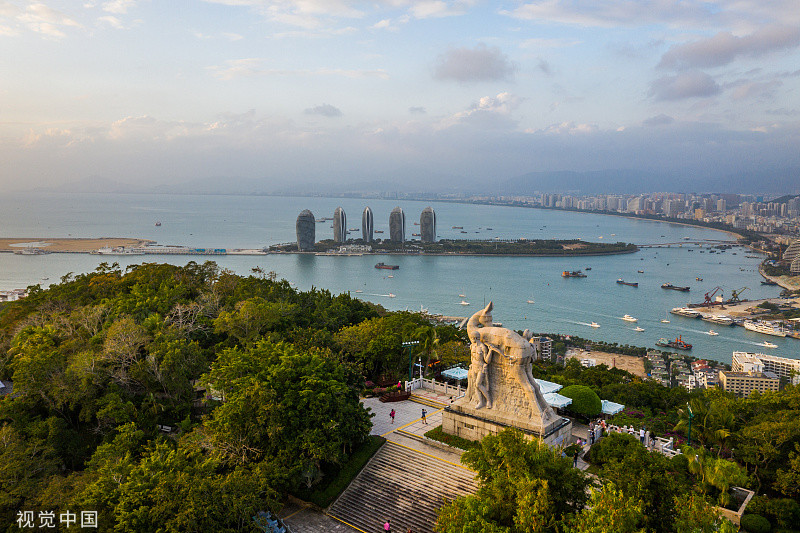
column 482, row 63
column 114, row 22
column 249, row 67
column 691, row 84
column 724, row 47
column 613, row 13
column 490, row 112
column 45, row 20
column 325, row 110
column 541, row 44
column 119, row 7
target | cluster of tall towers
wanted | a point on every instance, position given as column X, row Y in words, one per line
column 306, row 227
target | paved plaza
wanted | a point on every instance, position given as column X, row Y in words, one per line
column 406, row 433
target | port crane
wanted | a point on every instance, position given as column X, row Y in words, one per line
column 736, row 294
column 709, row 295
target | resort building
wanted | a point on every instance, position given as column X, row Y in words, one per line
column 544, row 346
column 783, row 367
column 744, row 383
column 792, row 252
column 397, row 225
column 306, row 228
column 427, row 225
column 367, row 225
column 339, row 225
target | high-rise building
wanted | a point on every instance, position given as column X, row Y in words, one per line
column 306, row 227
column 397, row 225
column 339, row 225
column 427, row 225
column 366, row 225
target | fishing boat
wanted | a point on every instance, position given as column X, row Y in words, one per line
column 677, row 343
column 712, row 333
column 387, row 267
column 573, row 274
column 628, row 283
column 674, row 287
column 629, row 318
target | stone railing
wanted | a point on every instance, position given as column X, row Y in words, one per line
column 436, row 386
column 662, row 445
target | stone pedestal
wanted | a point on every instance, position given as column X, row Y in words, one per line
column 474, row 426
column 511, row 407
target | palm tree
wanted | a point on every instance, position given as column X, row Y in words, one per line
column 710, row 419
column 428, row 342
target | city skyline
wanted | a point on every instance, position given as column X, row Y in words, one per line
column 432, row 92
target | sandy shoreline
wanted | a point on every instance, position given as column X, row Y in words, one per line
column 633, row 364
column 68, row 245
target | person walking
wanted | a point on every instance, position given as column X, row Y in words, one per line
column 391, row 415
column 388, row 525
column 424, row 414
column 641, row 435
column 575, row 459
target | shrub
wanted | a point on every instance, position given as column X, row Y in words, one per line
column 584, row 400
column 615, row 446
column 755, row 523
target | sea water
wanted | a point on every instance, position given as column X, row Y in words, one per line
column 435, row 283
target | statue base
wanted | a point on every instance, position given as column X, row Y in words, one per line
column 474, row 424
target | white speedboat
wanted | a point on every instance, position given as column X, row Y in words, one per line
column 530, row 301
column 463, row 302
column 766, row 344
column 359, row 290
column 390, row 295
column 629, row 318
column 712, row 333
column 664, row 321
column 638, row 328
column 595, row 325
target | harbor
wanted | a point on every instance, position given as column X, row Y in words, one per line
column 531, row 290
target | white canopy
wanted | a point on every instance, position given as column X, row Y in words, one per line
column 612, row 408
column 555, row 399
column 456, row 373
column 548, row 386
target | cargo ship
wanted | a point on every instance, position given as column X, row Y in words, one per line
column 387, row 267
column 674, row 287
column 573, row 274
column 677, row 343
column 628, row 283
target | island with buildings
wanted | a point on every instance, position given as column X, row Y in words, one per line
column 426, row 242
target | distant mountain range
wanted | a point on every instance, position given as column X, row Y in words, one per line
column 416, row 181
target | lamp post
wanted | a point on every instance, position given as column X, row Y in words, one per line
column 407, row 345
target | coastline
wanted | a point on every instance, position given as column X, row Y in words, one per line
column 454, row 254
column 69, row 244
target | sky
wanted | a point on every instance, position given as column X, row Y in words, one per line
column 302, row 92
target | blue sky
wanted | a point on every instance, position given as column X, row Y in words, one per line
column 304, row 91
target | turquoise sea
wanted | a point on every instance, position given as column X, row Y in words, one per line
column 435, row 283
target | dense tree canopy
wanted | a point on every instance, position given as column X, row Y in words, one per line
column 109, row 409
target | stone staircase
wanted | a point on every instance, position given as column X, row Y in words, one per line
column 404, row 486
